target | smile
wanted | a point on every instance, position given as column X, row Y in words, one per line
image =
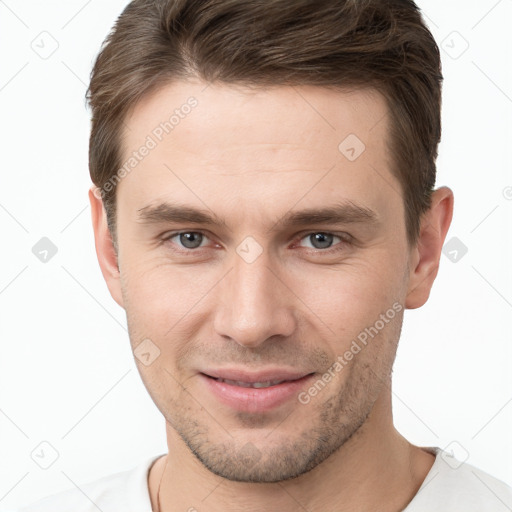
column 251, row 392
column 257, row 385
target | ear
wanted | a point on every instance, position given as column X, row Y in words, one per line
column 105, row 251
column 425, row 255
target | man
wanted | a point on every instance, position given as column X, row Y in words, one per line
column 264, row 210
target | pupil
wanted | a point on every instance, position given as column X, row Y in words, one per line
column 187, row 240
column 323, row 238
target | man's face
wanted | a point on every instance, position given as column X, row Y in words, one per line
column 256, row 298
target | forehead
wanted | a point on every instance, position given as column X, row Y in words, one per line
column 255, row 115
column 220, row 144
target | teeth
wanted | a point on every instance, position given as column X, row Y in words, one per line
column 252, row 384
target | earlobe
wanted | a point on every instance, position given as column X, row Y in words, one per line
column 426, row 255
column 105, row 251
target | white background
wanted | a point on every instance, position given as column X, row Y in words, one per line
column 67, row 374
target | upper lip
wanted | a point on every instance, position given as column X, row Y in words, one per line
column 242, row 375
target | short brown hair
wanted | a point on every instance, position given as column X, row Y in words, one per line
column 382, row 44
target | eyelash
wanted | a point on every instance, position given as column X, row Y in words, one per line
column 346, row 239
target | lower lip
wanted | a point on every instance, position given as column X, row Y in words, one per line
column 255, row 399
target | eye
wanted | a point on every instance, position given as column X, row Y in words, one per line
column 187, row 239
column 323, row 241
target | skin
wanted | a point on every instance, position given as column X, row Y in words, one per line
column 251, row 156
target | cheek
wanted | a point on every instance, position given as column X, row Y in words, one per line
column 354, row 293
column 166, row 304
column 158, row 290
column 362, row 305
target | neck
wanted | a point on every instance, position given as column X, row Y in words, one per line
column 377, row 469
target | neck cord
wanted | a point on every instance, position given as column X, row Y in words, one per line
column 158, row 492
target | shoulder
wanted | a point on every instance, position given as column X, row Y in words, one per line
column 452, row 485
column 126, row 490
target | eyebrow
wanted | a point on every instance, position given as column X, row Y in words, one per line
column 346, row 212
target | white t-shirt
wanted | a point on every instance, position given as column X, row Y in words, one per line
column 450, row 486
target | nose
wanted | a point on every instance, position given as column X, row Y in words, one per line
column 254, row 304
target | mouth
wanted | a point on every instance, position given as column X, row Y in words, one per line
column 255, row 392
column 256, row 385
